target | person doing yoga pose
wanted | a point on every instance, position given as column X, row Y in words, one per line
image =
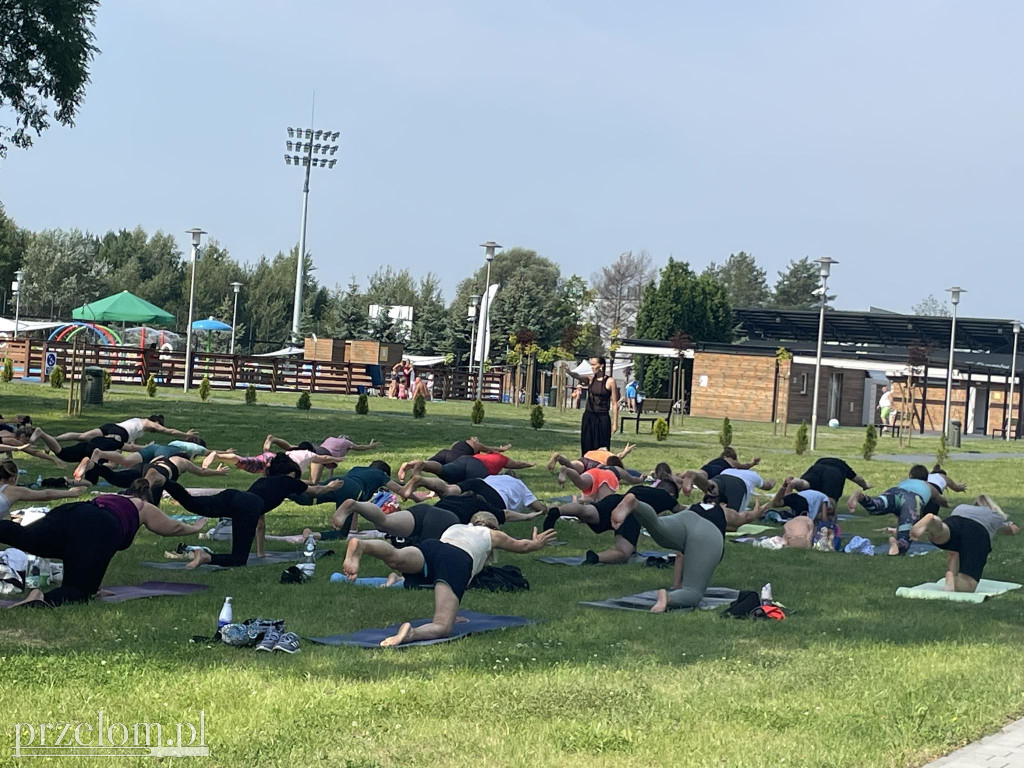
column 449, row 563
column 700, row 477
column 736, row 487
column 86, row 535
column 907, row 500
column 471, row 446
column 599, row 482
column 11, row 493
column 127, row 431
column 967, row 536
column 503, row 492
column 696, row 534
column 465, row 467
column 246, row 509
column 600, row 457
column 135, row 454
column 332, row 448
column 421, row 521
column 827, row 475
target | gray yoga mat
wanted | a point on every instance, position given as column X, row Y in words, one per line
column 146, row 589
column 714, row 597
column 272, row 558
column 475, row 622
column 639, row 557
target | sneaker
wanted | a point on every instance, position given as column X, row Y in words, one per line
column 591, row 557
column 287, row 642
column 270, row 638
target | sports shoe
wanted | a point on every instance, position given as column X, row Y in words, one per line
column 287, row 642
column 551, row 518
column 591, row 558
column 270, row 638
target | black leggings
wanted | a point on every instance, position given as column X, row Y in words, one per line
column 84, row 536
column 243, row 508
column 122, row 478
column 75, row 452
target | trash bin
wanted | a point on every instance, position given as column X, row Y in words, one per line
column 92, row 385
column 953, row 438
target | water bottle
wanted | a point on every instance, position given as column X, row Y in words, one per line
column 32, row 575
column 308, row 564
column 766, row 594
column 226, row 614
column 38, row 483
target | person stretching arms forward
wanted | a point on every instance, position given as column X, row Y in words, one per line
column 450, row 563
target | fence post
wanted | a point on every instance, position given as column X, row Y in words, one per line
column 273, row 376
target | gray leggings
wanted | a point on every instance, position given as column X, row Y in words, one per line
column 700, row 542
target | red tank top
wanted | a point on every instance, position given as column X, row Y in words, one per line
column 495, row 462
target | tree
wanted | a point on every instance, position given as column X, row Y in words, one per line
column 384, row 329
column 61, row 272
column 346, row 317
column 45, row 52
column 270, row 286
column 13, row 242
column 151, row 266
column 430, row 318
column 392, row 289
column 931, row 307
column 744, row 281
column 795, row 288
column 618, row 290
column 680, row 302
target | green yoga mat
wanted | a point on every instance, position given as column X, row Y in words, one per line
column 935, row 591
column 751, row 529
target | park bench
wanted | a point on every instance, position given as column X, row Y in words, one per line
column 650, row 410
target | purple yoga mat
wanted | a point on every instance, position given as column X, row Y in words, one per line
column 146, row 589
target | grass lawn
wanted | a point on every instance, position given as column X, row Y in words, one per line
column 855, row 677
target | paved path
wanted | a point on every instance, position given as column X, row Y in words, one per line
column 1004, row 749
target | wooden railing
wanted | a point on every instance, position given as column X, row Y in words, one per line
column 128, row 365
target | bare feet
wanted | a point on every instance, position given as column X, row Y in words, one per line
column 623, row 510
column 853, row 501
column 209, row 459
column 927, row 525
column 661, row 604
column 174, row 555
column 397, row 639
column 199, row 557
column 83, row 466
column 894, row 546
column 561, row 477
column 409, row 487
column 392, row 579
column 402, row 470
column 767, row 485
column 553, row 462
column 351, row 565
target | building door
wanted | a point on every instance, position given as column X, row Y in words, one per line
column 835, row 395
column 977, row 411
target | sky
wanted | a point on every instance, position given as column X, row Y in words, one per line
column 885, row 135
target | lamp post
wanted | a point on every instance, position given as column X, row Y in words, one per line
column 197, row 235
column 471, row 316
column 19, row 277
column 824, row 266
column 1013, row 379
column 313, row 149
column 489, row 248
column 234, row 315
column 954, row 297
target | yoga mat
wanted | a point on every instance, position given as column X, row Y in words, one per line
column 845, row 518
column 751, row 529
column 916, row 548
column 146, row 589
column 183, row 518
column 935, row 591
column 639, row 557
column 272, row 558
column 475, row 622
column 714, row 597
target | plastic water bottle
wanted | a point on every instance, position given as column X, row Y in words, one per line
column 336, row 577
column 226, row 614
column 308, row 564
column 38, row 483
column 766, row 594
column 32, row 576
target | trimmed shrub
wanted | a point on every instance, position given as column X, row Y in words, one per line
column 725, row 436
column 57, row 377
column 151, row 385
column 870, row 442
column 802, row 439
column 419, row 407
column 250, row 395
column 106, row 380
column 477, row 415
column 942, row 455
column 204, row 389
column 8, row 370
column 363, row 405
column 661, row 430
column 537, row 416
column 303, row 403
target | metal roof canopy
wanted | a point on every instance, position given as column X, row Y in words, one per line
column 876, row 328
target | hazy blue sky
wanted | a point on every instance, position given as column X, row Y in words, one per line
column 887, row 135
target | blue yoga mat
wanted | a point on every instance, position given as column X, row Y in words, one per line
column 272, row 558
column 475, row 622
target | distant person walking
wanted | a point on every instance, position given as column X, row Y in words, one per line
column 601, row 413
column 885, row 405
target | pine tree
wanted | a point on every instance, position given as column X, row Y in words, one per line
column 537, row 416
column 204, row 389
column 802, row 440
column 477, row 415
column 363, row 404
column 419, row 407
column 725, row 436
column 870, row 442
column 303, row 403
column 151, row 385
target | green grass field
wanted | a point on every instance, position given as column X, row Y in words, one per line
column 854, row 678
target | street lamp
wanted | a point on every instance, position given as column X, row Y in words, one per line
column 489, row 247
column 197, row 234
column 234, row 316
column 19, row 277
column 473, row 301
column 954, row 297
column 314, row 156
column 1013, row 378
column 825, row 265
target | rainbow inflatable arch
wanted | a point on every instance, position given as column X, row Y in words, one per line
column 68, row 331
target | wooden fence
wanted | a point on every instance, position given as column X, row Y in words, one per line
column 129, row 365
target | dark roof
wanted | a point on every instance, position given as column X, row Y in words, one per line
column 875, row 328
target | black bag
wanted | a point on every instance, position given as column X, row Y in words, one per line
column 743, row 606
column 500, row 578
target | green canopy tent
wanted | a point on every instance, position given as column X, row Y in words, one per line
column 123, row 307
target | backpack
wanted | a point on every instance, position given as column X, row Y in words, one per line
column 500, row 578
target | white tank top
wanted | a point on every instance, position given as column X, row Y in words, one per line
column 5, row 504
column 474, row 540
column 133, row 427
column 938, row 480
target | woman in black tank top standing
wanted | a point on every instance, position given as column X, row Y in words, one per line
column 601, row 415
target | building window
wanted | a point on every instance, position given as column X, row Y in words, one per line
column 803, row 383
